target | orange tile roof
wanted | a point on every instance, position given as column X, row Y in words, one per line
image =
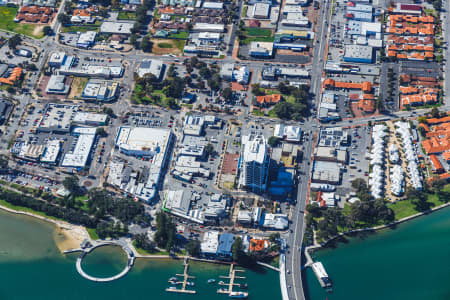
column 258, row 245
column 366, row 86
column 425, row 126
column 166, row 10
column 433, row 121
column 444, row 176
column 446, row 155
column 408, row 90
column 274, row 98
column 13, row 77
column 438, row 168
column 366, row 106
column 81, row 13
column 436, row 145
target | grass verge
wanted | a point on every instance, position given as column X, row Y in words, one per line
column 7, row 15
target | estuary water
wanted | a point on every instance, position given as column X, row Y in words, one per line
column 32, row 268
column 410, row 262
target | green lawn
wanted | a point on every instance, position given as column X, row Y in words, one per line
column 257, row 35
column 248, row 40
column 180, row 35
column 250, row 31
column 127, row 15
column 272, row 114
column 244, row 11
column 165, row 45
column 258, row 113
column 7, row 15
column 82, row 28
column 179, row 44
column 405, row 208
column 93, row 233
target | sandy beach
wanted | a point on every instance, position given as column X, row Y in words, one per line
column 67, row 236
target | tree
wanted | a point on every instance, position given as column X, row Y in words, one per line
column 256, row 90
column 435, row 112
column 64, row 19
column 71, row 183
column 194, row 61
column 109, row 111
column 146, row 45
column 227, row 94
column 143, row 242
column 422, row 131
column 273, row 141
column 379, row 104
column 205, row 72
column 47, row 30
column 68, row 9
column 437, row 4
column 238, row 250
column 274, row 237
column 171, row 71
column 14, row 41
column 133, row 40
column 136, row 28
column 175, row 87
column 209, row 149
column 200, row 84
column 422, row 120
column 165, row 235
column 193, row 248
column 100, row 131
column 214, row 82
column 3, row 162
column 314, row 210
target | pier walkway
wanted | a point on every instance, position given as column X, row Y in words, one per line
column 85, row 251
column 231, row 276
column 185, row 276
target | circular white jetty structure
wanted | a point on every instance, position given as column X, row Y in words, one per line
column 130, row 263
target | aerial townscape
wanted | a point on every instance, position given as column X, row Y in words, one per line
column 245, row 134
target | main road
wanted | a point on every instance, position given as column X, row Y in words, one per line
column 294, row 240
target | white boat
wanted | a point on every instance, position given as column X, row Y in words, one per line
column 212, row 280
column 239, row 295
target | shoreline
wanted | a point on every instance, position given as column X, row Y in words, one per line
column 316, row 247
column 66, row 235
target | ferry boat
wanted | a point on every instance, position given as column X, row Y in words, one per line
column 212, row 280
column 321, row 274
column 239, row 295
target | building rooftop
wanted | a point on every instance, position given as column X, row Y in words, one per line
column 210, row 242
column 254, row 148
column 151, row 66
column 116, row 27
column 142, row 139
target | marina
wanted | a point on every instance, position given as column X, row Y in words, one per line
column 232, row 277
column 183, row 283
